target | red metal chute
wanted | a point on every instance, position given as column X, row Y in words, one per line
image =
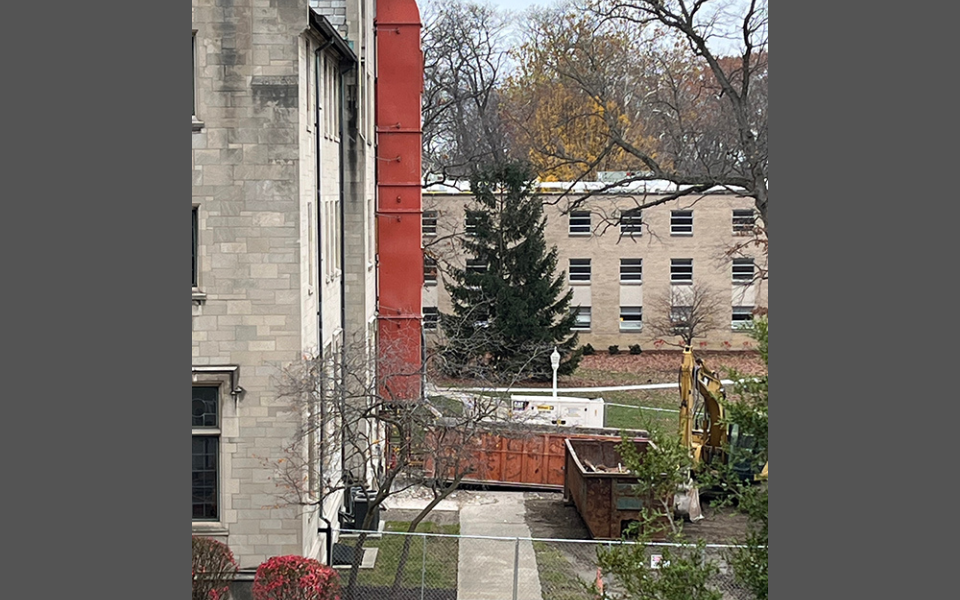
column 400, row 258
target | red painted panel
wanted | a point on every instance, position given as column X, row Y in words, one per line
column 395, row 160
column 400, row 265
column 400, row 260
column 399, row 198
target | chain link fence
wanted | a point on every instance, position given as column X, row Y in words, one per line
column 423, row 566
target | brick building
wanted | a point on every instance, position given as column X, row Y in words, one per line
column 625, row 267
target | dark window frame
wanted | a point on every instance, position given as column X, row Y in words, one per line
column 196, row 246
column 206, row 477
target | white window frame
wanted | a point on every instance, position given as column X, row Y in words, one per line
column 744, row 222
column 631, row 223
column 739, row 324
column 580, row 222
column 475, row 265
column 629, row 324
column 676, row 264
column 584, row 320
column 431, row 318
column 469, row 226
column 428, row 223
column 429, row 262
column 678, row 222
column 583, row 273
column 626, row 276
column 743, row 271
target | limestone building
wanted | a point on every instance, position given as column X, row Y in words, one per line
column 283, row 247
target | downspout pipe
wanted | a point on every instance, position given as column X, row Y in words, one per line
column 328, row 528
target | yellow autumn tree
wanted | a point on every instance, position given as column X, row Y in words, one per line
column 570, row 100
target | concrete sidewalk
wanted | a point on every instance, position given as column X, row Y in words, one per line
column 486, row 567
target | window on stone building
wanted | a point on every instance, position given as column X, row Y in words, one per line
column 193, row 74
column 431, row 317
column 744, row 221
column 583, row 319
column 631, row 270
column 631, row 223
column 206, row 453
column 580, row 223
column 681, row 222
column 579, row 269
column 681, row 270
column 429, row 271
column 631, row 318
column 470, row 225
column 742, row 317
column 743, row 270
column 680, row 318
column 476, row 265
column 196, row 246
column 429, row 223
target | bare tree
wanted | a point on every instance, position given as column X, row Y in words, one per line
column 465, row 57
column 686, row 311
column 354, row 436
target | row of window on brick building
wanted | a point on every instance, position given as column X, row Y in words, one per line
column 631, row 317
column 631, row 222
column 631, row 270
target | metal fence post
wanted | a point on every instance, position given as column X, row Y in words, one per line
column 516, row 567
column 423, row 568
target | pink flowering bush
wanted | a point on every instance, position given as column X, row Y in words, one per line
column 295, row 578
column 213, row 569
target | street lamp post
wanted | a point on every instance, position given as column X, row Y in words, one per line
column 555, row 364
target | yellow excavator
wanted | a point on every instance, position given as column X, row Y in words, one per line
column 702, row 426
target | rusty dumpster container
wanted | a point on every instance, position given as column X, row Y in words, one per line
column 529, row 456
column 603, row 494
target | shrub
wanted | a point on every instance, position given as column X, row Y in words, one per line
column 613, row 349
column 295, row 578
column 588, row 350
column 635, row 349
column 213, row 569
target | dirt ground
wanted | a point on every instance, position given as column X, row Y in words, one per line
column 547, row 517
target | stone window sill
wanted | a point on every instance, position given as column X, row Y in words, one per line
column 197, row 125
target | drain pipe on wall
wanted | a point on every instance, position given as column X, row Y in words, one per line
column 328, row 528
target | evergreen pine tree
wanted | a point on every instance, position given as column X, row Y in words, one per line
column 509, row 307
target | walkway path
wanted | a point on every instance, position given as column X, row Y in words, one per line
column 487, row 566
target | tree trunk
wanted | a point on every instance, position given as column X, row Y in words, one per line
column 408, row 540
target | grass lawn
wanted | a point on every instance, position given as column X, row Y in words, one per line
column 440, row 561
column 557, row 577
